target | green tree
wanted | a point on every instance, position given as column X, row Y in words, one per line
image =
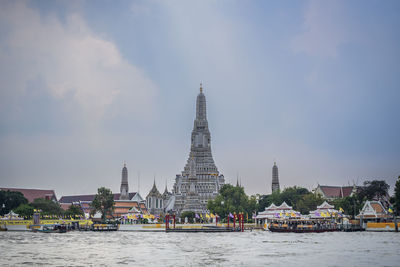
column 10, row 200
column 307, row 203
column 293, row 196
column 232, row 199
column 266, row 200
column 189, row 214
column 24, row 210
column 103, row 202
column 351, row 205
column 397, row 196
column 74, row 210
column 374, row 189
column 47, row 206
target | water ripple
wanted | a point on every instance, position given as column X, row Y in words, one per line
column 255, row 248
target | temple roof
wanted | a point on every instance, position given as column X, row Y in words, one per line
column 77, row 198
column 32, row 194
column 336, row 191
column 284, row 206
column 154, row 191
column 325, row 205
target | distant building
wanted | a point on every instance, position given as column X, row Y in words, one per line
column 323, row 210
column 120, row 206
column 32, row 194
column 334, row 192
column 154, row 201
column 275, row 178
column 124, row 202
column 373, row 211
column 273, row 212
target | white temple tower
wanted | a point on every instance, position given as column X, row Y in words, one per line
column 200, row 170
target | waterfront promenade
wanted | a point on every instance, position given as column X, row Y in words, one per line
column 257, row 248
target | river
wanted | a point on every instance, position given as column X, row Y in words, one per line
column 257, row 248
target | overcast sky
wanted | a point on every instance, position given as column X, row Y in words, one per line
column 87, row 85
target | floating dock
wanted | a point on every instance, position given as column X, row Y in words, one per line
column 204, row 229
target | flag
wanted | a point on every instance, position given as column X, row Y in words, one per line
column 197, row 216
column 327, row 214
column 207, row 216
column 341, row 210
column 287, row 214
column 280, row 214
column 230, row 215
column 292, row 214
column 390, row 210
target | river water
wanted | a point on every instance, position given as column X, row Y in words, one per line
column 257, row 248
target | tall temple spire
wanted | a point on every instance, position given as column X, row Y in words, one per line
column 124, row 190
column 275, row 178
column 201, row 105
column 200, row 179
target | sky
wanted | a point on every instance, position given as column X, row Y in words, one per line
column 88, row 85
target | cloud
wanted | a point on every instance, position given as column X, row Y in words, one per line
column 324, row 30
column 69, row 62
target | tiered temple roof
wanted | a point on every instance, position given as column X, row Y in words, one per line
column 273, row 211
column 373, row 209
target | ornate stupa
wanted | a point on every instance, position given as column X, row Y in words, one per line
column 275, row 178
column 124, row 190
column 200, row 173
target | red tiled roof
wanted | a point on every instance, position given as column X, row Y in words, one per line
column 347, row 191
column 377, row 207
column 32, row 194
column 336, row 191
column 331, row 191
column 71, row 199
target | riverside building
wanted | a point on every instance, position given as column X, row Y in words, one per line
column 200, row 179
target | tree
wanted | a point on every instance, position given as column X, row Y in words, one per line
column 308, row 202
column 351, row 205
column 298, row 197
column 10, row 200
column 47, row 206
column 74, row 210
column 103, row 202
column 374, row 190
column 24, row 210
column 232, row 199
column 189, row 214
column 397, row 196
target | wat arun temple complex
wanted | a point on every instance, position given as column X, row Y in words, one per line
column 200, row 179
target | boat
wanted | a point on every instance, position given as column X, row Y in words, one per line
column 51, row 228
column 303, row 226
column 104, row 227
